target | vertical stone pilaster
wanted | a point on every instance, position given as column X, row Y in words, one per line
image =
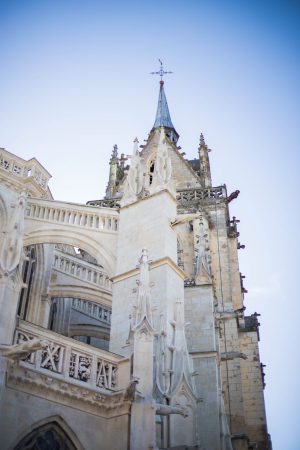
column 142, row 430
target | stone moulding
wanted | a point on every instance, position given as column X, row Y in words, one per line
column 103, row 404
column 153, row 265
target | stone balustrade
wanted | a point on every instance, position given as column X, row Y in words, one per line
column 81, row 269
column 105, row 203
column 187, row 197
column 24, row 169
column 69, row 360
column 72, row 214
column 92, row 309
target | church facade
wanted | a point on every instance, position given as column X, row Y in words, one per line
column 122, row 324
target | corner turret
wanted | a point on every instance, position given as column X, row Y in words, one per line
column 204, row 166
column 113, row 168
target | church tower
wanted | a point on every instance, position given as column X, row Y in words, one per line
column 204, row 346
column 123, row 324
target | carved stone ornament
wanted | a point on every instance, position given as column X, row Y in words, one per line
column 143, row 308
column 163, row 161
column 228, row 356
column 165, row 410
column 202, row 263
column 163, row 167
column 133, row 185
column 11, row 245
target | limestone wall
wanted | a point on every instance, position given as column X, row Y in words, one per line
column 92, row 431
column 252, row 388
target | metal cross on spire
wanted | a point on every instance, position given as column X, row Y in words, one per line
column 161, row 72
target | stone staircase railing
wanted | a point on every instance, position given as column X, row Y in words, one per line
column 82, row 270
column 73, row 214
column 69, row 360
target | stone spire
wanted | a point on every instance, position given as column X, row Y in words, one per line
column 163, row 118
column 113, row 168
column 205, row 175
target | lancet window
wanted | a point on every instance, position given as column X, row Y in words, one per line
column 151, row 171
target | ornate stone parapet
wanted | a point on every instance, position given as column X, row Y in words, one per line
column 190, row 199
column 68, row 360
column 72, row 214
column 187, row 199
column 24, row 174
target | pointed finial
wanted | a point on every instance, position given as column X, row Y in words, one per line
column 114, row 153
column 204, row 174
column 144, row 256
column 136, row 146
column 161, row 72
column 202, row 141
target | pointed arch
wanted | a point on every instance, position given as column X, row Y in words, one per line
column 183, row 429
column 102, row 254
column 49, row 433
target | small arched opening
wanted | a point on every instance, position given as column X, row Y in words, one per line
column 49, row 436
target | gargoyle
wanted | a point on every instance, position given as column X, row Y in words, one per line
column 131, row 390
column 165, row 410
column 21, row 350
column 232, row 196
column 227, row 356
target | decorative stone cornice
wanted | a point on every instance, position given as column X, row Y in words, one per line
column 151, row 196
column 102, row 404
column 153, row 265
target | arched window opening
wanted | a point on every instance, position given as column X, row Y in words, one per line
column 151, row 171
column 46, row 437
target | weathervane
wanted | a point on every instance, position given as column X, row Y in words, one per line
column 161, row 72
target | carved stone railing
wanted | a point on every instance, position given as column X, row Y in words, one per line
column 191, row 197
column 105, row 203
column 92, row 309
column 69, row 360
column 31, row 169
column 72, row 214
column 82, row 270
column 185, row 197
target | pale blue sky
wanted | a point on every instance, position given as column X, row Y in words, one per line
column 75, row 81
